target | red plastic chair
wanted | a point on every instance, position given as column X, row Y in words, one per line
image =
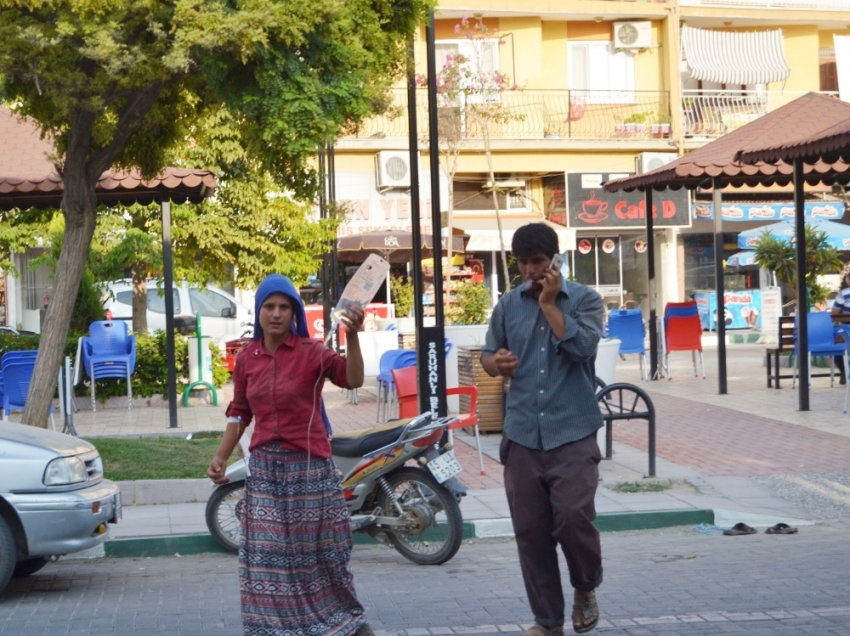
column 408, row 404
column 683, row 333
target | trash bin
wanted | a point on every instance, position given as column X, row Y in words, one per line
column 606, row 359
column 200, row 373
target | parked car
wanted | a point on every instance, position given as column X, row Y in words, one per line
column 223, row 317
column 53, row 498
column 4, row 330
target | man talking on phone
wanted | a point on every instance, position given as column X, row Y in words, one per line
column 543, row 337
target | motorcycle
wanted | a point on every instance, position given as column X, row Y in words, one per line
column 412, row 508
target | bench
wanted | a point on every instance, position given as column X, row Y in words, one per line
column 785, row 344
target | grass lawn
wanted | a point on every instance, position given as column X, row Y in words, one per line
column 129, row 459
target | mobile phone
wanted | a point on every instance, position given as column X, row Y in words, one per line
column 557, row 261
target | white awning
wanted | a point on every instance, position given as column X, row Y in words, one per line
column 734, row 57
column 484, row 233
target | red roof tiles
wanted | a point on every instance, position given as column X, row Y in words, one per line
column 28, row 176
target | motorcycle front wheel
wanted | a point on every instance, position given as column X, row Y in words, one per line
column 222, row 514
column 434, row 529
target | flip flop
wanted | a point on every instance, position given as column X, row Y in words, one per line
column 739, row 528
column 781, row 528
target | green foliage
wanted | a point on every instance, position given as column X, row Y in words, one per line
column 401, row 290
column 471, row 304
column 220, row 373
column 780, row 257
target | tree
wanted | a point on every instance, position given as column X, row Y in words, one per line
column 247, row 231
column 118, row 85
column 780, row 257
column 469, row 95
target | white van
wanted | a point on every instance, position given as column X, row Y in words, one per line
column 223, row 317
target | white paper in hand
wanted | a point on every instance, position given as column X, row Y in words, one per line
column 361, row 289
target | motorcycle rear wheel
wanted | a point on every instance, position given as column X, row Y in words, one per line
column 422, row 498
column 222, row 514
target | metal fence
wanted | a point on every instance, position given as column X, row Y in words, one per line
column 712, row 113
column 818, row 5
column 534, row 114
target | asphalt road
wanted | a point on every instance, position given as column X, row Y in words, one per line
column 674, row 581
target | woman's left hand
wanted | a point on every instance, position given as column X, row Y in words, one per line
column 352, row 318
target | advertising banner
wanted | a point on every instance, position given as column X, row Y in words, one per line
column 769, row 211
column 743, row 309
column 579, row 201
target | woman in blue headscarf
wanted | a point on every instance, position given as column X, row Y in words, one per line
column 295, row 543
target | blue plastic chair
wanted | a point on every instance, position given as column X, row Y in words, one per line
column 821, row 343
column 627, row 326
column 109, row 352
column 17, row 375
column 24, row 354
column 385, row 381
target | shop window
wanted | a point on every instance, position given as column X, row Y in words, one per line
column 482, row 57
column 607, row 75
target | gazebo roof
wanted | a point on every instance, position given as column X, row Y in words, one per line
column 751, row 154
column 28, row 176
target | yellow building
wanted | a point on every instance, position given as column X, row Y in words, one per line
column 602, row 88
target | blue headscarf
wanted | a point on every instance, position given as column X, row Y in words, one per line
column 279, row 284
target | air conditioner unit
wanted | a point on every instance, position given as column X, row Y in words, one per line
column 632, row 35
column 647, row 161
column 392, row 169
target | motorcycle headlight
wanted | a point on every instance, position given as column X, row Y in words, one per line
column 65, row 470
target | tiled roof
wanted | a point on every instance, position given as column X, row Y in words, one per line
column 28, row 176
column 802, row 121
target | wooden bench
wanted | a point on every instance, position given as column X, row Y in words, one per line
column 785, row 344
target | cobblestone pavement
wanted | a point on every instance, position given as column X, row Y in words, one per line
column 676, row 581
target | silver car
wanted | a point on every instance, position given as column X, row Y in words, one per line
column 53, row 498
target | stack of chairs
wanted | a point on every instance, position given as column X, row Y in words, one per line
column 627, row 326
column 109, row 351
column 681, row 331
column 17, row 369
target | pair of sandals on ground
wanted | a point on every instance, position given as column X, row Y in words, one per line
column 743, row 528
column 585, row 617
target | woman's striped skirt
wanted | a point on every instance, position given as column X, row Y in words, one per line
column 294, row 550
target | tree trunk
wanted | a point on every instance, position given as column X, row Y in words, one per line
column 140, row 299
column 78, row 207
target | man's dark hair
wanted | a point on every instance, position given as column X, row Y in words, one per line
column 533, row 238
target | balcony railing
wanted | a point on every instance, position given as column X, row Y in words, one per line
column 818, row 5
column 708, row 114
column 537, row 114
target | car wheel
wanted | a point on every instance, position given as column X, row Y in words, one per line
column 29, row 566
column 7, row 553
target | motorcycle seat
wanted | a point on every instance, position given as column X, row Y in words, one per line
column 358, row 443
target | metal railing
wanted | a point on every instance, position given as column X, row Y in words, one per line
column 535, row 114
column 818, row 5
column 707, row 114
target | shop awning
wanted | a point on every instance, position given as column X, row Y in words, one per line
column 484, row 233
column 734, row 57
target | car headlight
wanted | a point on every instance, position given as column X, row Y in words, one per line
column 65, row 470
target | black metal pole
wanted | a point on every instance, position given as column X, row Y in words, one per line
column 415, row 213
column 650, row 274
column 168, row 283
column 802, row 298
column 720, row 287
column 430, row 341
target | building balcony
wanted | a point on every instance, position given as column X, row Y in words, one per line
column 531, row 115
column 817, row 5
column 708, row 114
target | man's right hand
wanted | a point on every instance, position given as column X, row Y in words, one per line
column 216, row 471
column 504, row 362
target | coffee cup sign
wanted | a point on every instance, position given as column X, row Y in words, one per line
column 593, row 210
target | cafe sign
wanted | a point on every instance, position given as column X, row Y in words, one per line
column 583, row 204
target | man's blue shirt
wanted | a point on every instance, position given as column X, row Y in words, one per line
column 552, row 396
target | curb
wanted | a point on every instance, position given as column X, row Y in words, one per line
column 479, row 529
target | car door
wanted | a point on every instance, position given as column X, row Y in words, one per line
column 156, row 307
column 218, row 314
